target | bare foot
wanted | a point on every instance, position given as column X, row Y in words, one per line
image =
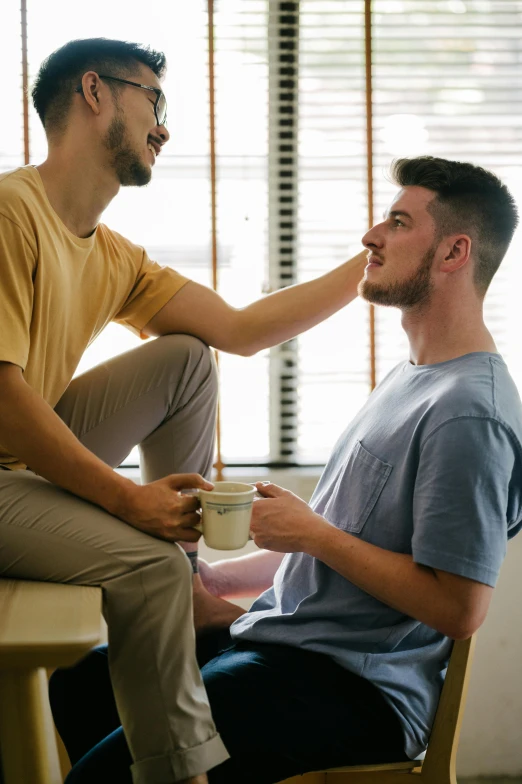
column 211, row 612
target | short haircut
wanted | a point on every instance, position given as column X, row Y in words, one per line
column 470, row 200
column 62, row 71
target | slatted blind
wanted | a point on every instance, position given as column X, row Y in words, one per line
column 11, row 125
column 334, row 363
column 241, row 96
column 447, row 81
column 283, row 212
column 292, row 110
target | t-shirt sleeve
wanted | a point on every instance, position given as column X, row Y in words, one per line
column 153, row 288
column 466, row 498
column 17, row 268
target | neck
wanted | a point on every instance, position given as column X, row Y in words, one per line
column 78, row 188
column 447, row 329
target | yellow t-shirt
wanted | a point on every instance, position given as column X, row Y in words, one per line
column 58, row 291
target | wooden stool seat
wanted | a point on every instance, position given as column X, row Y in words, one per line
column 42, row 626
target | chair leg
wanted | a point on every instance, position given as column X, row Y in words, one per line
column 64, row 762
column 63, row 757
column 26, row 753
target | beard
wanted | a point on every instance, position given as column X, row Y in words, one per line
column 414, row 291
column 129, row 168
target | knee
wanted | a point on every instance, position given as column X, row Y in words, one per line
column 184, row 346
column 166, row 556
column 191, row 352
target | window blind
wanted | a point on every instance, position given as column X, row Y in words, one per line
column 447, row 82
column 283, row 211
column 241, row 100
column 334, row 363
column 292, row 164
column 11, row 127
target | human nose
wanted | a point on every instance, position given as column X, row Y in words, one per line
column 163, row 133
column 372, row 238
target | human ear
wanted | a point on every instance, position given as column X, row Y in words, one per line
column 457, row 254
column 91, row 85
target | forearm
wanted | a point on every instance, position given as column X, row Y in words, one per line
column 295, row 309
column 237, row 578
column 33, row 432
column 393, row 578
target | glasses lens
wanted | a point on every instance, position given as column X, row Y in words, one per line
column 162, row 109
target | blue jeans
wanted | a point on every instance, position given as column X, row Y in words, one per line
column 280, row 711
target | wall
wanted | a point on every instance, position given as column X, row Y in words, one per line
column 492, row 729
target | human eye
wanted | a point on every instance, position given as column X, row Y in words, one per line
column 397, row 222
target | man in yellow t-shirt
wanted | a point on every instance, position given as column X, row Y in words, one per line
column 64, row 276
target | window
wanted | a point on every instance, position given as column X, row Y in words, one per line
column 297, row 87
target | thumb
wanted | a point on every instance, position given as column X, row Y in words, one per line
column 186, row 481
column 269, row 490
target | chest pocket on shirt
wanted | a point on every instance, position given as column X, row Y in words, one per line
column 357, row 488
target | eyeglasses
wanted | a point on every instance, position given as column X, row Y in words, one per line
column 160, row 104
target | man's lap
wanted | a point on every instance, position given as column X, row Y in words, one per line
column 296, row 709
column 280, row 711
column 50, row 534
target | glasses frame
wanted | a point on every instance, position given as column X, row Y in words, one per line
column 159, row 94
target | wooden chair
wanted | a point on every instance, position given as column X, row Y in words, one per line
column 42, row 626
column 439, row 764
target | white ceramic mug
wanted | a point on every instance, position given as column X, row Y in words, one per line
column 226, row 512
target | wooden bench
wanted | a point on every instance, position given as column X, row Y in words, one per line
column 42, row 626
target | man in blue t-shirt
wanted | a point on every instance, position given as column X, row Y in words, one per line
column 341, row 659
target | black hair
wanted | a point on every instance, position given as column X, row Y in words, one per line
column 62, row 71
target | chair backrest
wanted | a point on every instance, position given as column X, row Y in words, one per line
column 438, row 766
column 442, row 748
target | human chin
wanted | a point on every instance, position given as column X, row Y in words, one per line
column 375, row 293
column 405, row 294
column 131, row 170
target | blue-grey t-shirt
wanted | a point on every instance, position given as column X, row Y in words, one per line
column 431, row 466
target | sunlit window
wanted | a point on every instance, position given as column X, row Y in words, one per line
column 445, row 81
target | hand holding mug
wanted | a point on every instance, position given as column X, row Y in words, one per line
column 283, row 522
column 226, row 512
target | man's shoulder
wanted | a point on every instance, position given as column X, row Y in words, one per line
column 118, row 244
column 481, row 380
column 471, row 388
column 12, row 176
column 17, row 183
column 18, row 192
column 478, row 387
column 472, row 380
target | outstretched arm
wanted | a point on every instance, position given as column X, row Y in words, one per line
column 238, row 578
column 200, row 311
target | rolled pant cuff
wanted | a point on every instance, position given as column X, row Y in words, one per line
column 180, row 764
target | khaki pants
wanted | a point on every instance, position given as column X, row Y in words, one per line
column 162, row 396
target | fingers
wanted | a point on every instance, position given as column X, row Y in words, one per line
column 184, row 481
column 187, row 535
column 269, row 490
column 190, row 519
column 184, row 531
column 187, row 503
